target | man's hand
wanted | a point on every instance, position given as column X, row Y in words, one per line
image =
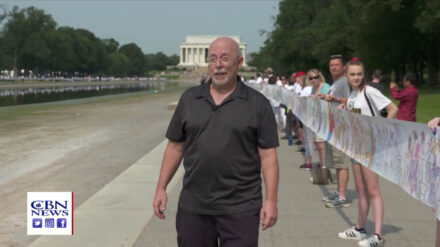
column 434, row 123
column 160, row 203
column 341, row 107
column 321, row 96
column 330, row 97
column 268, row 214
column 394, row 85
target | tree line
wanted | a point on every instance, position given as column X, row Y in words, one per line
column 396, row 36
column 31, row 40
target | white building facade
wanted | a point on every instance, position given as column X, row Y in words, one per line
column 194, row 52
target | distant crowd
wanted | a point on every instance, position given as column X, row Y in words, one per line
column 350, row 91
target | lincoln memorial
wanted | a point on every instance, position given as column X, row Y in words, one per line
column 194, row 52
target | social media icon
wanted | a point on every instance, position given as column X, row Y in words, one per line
column 37, row 223
column 61, row 223
column 49, row 223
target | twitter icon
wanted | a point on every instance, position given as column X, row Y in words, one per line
column 37, row 223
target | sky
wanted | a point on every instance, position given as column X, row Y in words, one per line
column 162, row 25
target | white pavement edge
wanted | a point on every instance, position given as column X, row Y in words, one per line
column 117, row 214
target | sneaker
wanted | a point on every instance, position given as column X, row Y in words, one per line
column 372, row 241
column 301, row 150
column 330, row 197
column 285, row 137
column 338, row 203
column 306, row 166
column 352, row 234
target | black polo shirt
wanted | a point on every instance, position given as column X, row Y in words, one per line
column 221, row 161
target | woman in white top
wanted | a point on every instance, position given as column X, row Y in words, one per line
column 368, row 101
column 308, row 135
column 301, row 83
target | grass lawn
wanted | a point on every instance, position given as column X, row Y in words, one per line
column 428, row 105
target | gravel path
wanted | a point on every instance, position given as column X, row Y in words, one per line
column 79, row 146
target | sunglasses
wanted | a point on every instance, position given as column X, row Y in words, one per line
column 314, row 78
column 336, row 56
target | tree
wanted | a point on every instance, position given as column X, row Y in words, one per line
column 136, row 58
column 62, row 54
column 119, row 64
column 396, row 36
column 91, row 53
column 428, row 22
column 159, row 61
column 23, row 37
column 173, row 60
column 110, row 45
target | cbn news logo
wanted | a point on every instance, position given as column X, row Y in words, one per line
column 50, row 213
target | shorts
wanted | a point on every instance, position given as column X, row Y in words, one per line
column 354, row 162
column 319, row 139
column 338, row 158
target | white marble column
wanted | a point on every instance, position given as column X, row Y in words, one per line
column 194, row 55
column 201, row 56
column 244, row 55
column 189, row 54
column 181, row 55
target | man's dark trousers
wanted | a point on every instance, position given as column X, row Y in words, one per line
column 236, row 230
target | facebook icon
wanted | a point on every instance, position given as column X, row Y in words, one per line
column 61, row 223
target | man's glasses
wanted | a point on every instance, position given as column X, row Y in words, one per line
column 223, row 60
column 314, row 78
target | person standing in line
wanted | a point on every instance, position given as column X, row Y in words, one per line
column 268, row 73
column 338, row 94
column 226, row 134
column 316, row 79
column 296, row 85
column 375, row 82
column 433, row 124
column 298, row 128
column 258, row 79
column 367, row 101
column 407, row 97
column 308, row 134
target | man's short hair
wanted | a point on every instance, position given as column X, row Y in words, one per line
column 377, row 74
column 269, row 70
column 338, row 56
column 411, row 77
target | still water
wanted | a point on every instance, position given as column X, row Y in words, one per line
column 11, row 97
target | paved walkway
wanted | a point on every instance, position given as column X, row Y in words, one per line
column 121, row 214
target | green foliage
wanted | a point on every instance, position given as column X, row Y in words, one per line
column 23, row 37
column 170, row 77
column 110, row 45
column 136, row 58
column 31, row 40
column 395, row 36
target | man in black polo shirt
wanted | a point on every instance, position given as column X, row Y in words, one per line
column 226, row 133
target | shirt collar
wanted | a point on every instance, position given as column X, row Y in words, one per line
column 241, row 91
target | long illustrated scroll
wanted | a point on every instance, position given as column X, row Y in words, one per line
column 406, row 153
